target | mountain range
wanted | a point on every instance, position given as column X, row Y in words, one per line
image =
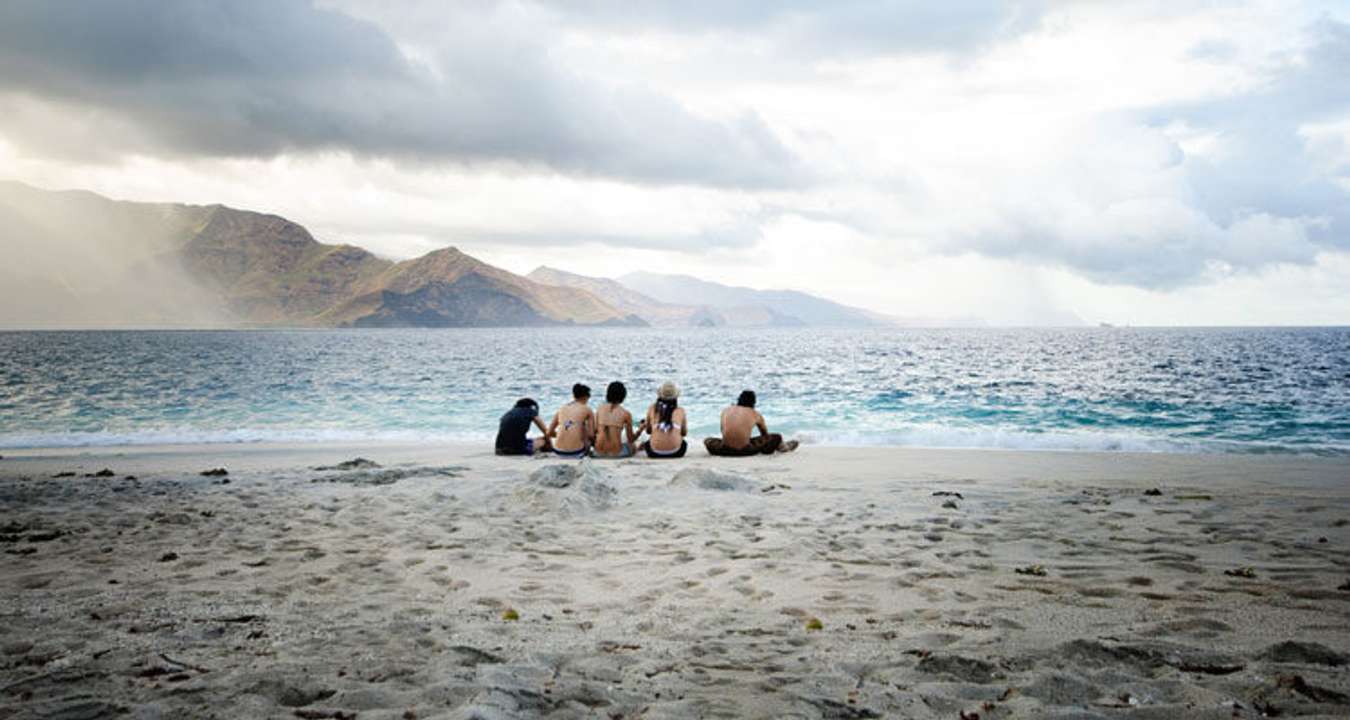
column 83, row 260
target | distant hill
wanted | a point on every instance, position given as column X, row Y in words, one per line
column 681, row 300
column 628, row 301
column 774, row 307
column 80, row 259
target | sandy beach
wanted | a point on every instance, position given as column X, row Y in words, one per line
column 445, row 582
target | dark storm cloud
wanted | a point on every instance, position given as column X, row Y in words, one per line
column 256, row 79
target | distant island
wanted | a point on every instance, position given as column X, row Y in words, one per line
column 84, row 260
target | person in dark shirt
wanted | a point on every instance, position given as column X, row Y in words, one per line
column 515, row 425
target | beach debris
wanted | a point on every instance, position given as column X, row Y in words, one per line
column 1036, row 570
column 168, row 557
column 510, row 615
column 951, row 505
column 1312, row 692
column 104, row 473
column 1293, row 651
column 473, row 657
column 359, row 463
column 307, row 714
column 14, row 532
column 948, row 493
column 814, row 625
column 182, row 664
column 1242, row 572
column 215, row 472
column 1153, row 492
column 1124, row 700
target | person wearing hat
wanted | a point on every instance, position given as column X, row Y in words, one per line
column 666, row 424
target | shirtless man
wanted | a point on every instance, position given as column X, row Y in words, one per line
column 738, row 422
column 573, row 428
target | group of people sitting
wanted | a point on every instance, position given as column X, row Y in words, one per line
column 609, row 432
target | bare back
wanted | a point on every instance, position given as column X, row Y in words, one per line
column 614, row 424
column 738, row 425
column 666, row 439
column 574, row 426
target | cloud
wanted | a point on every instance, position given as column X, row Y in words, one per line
column 1186, row 193
column 260, row 79
column 816, row 29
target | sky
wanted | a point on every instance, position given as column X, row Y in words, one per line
column 1148, row 163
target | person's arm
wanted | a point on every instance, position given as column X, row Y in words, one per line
column 628, row 426
column 590, row 426
column 540, row 424
column 552, row 431
column 723, row 423
column 763, row 426
column 684, row 423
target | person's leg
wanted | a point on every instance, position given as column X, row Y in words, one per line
column 684, row 448
column 714, row 445
column 770, row 443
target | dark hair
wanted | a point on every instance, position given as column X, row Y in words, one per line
column 527, row 403
column 580, row 391
column 747, row 399
column 665, row 409
column 615, row 393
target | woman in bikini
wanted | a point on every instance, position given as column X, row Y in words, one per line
column 573, row 428
column 615, row 438
column 667, row 424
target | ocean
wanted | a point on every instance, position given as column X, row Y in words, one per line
column 1219, row 390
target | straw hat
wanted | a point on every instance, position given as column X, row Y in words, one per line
column 668, row 391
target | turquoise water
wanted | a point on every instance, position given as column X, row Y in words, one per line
column 1178, row 390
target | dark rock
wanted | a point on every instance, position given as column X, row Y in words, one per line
column 64, row 474
column 947, row 493
column 104, row 473
column 1153, row 492
column 1311, row 653
column 215, row 472
column 1060, row 689
column 168, row 557
column 354, row 464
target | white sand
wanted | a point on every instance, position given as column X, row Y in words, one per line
column 671, row 588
